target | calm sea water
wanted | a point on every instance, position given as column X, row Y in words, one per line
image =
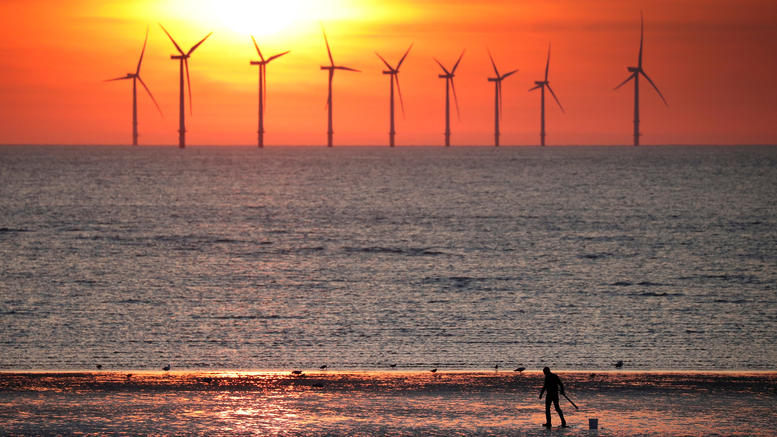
column 359, row 258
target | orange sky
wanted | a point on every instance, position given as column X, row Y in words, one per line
column 714, row 60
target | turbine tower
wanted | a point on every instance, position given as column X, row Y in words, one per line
column 448, row 76
column 394, row 77
column 331, row 68
column 635, row 72
column 184, row 65
column 497, row 96
column 135, row 79
column 542, row 84
column 262, row 87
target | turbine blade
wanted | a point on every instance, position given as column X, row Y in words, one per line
column 151, row 95
column 198, row 44
column 455, row 99
column 654, row 87
column 328, row 50
column 506, row 75
column 547, row 64
column 277, row 56
column 171, row 39
column 641, row 38
column 404, row 56
column 257, row 48
column 137, row 70
column 631, row 76
column 441, row 66
column 535, row 87
column 456, row 65
column 118, row 78
column 340, row 67
column 493, row 64
column 384, row 61
column 399, row 91
column 555, row 98
column 189, row 84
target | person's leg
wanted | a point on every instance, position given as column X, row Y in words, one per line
column 547, row 410
column 558, row 410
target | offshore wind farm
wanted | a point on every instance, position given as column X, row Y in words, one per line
column 393, row 72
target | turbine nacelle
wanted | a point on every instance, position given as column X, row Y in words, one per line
column 179, row 56
column 540, row 83
column 390, row 71
column 633, row 69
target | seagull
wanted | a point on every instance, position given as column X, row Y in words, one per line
column 323, row 367
column 296, row 372
column 496, row 368
column 129, row 375
column 520, row 369
column 619, row 364
column 99, row 366
column 166, row 368
column 434, row 370
column 392, row 365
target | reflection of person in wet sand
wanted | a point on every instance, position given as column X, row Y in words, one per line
column 552, row 385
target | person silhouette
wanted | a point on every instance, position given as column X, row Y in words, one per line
column 553, row 385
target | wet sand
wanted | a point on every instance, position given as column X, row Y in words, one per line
column 384, row 403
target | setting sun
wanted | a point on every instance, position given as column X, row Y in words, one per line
column 264, row 17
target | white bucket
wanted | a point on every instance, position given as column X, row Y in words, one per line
column 593, row 423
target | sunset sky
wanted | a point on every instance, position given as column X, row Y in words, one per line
column 714, row 60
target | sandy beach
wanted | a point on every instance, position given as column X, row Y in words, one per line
column 383, row 403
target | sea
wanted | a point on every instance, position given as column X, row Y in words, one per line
column 463, row 258
column 645, row 276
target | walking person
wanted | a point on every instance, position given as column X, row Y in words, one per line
column 553, row 385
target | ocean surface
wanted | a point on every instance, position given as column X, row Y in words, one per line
column 361, row 258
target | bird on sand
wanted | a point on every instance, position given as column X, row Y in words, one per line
column 392, row 365
column 99, row 366
column 520, row 369
column 296, row 372
column 323, row 367
column 619, row 364
column 434, row 370
column 166, row 368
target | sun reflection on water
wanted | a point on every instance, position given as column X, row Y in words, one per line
column 466, row 403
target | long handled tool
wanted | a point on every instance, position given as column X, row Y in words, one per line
column 570, row 401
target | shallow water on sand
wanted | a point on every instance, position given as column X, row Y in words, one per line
column 461, row 258
column 385, row 403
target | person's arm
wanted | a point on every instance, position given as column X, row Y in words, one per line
column 542, row 391
column 560, row 385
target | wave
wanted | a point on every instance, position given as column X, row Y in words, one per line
column 407, row 251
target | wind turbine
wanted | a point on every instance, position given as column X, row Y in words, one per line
column 497, row 96
column 184, row 65
column 135, row 79
column 541, row 84
column 262, row 87
column 331, row 68
column 448, row 76
column 394, row 77
column 635, row 72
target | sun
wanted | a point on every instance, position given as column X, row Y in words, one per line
column 256, row 17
